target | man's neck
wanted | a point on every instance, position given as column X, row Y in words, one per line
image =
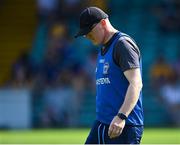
column 109, row 35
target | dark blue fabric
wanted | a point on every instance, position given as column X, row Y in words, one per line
column 111, row 88
column 99, row 135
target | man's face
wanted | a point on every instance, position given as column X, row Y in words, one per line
column 96, row 35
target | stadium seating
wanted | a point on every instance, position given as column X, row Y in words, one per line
column 17, row 25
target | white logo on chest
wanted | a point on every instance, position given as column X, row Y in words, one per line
column 105, row 68
column 101, row 60
column 102, row 81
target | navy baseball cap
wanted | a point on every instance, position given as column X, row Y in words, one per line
column 88, row 18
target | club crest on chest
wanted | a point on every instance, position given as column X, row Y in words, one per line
column 105, row 68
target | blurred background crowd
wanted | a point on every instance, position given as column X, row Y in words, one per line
column 38, row 53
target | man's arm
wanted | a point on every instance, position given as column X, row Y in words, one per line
column 127, row 56
column 131, row 98
column 133, row 91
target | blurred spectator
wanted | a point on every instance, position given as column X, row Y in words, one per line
column 70, row 90
column 59, row 54
column 46, row 8
column 21, row 72
column 63, row 80
column 57, row 113
column 69, row 9
column 170, row 93
column 160, row 72
column 51, row 66
column 90, row 64
column 80, row 82
column 176, row 66
column 168, row 14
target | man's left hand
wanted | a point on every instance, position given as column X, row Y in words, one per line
column 116, row 127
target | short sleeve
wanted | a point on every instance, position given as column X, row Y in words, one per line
column 126, row 54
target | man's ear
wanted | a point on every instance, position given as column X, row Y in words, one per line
column 103, row 22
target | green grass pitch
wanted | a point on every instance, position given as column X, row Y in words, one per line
column 78, row 136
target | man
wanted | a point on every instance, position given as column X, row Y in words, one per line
column 118, row 82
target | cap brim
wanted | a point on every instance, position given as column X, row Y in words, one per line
column 82, row 32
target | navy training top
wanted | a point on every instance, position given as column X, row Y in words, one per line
column 111, row 84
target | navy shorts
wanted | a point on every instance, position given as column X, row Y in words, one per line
column 99, row 135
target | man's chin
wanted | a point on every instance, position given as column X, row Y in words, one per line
column 95, row 43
